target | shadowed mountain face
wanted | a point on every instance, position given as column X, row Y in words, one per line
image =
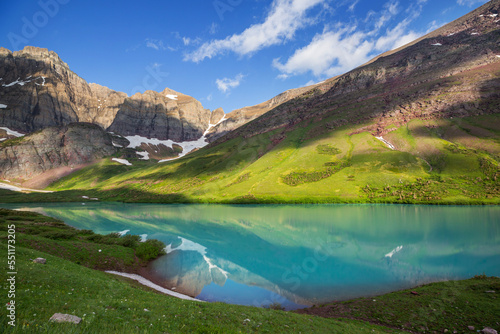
column 38, row 90
column 436, row 76
column 239, row 117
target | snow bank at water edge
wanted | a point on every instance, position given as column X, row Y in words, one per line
column 150, row 284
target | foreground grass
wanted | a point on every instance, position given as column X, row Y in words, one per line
column 109, row 304
column 105, row 252
column 451, row 306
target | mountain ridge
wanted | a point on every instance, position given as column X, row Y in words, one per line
column 39, row 90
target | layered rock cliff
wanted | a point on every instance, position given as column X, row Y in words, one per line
column 68, row 146
column 38, row 90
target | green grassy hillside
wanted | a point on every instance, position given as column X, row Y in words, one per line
column 435, row 161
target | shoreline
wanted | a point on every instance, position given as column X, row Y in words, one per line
column 142, row 280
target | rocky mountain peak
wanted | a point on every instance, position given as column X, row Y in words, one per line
column 38, row 90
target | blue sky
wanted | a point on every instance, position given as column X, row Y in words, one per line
column 225, row 53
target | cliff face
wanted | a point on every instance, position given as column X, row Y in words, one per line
column 164, row 115
column 76, row 144
column 38, row 90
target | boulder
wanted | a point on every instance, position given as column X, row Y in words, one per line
column 60, row 317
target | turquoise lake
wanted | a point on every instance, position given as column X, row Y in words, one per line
column 300, row 255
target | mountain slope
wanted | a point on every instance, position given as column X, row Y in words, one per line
column 417, row 125
column 239, row 117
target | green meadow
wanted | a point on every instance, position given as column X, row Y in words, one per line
column 452, row 161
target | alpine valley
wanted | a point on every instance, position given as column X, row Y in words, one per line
column 419, row 124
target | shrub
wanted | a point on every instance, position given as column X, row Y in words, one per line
column 150, row 250
column 327, row 149
column 58, row 234
column 129, row 240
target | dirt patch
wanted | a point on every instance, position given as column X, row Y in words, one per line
column 45, row 179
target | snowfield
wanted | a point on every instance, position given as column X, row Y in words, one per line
column 122, row 161
column 12, row 132
column 187, row 146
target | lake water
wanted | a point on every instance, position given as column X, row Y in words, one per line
column 301, row 255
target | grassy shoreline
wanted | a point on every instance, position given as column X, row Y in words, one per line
column 75, row 196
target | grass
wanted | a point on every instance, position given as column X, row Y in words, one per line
column 83, row 247
column 434, row 308
column 110, row 304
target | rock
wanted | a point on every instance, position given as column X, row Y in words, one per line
column 40, row 260
column 414, row 293
column 217, row 115
column 489, row 330
column 470, row 328
column 59, row 317
column 30, row 156
column 158, row 115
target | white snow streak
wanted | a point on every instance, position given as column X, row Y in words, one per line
column 12, row 132
column 144, row 155
column 172, row 97
column 189, row 146
column 394, row 251
column 389, row 145
column 122, row 161
column 437, row 44
column 150, row 284
column 3, row 106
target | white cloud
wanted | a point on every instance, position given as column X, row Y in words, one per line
column 336, row 51
column 155, row 44
column 341, row 48
column 209, row 97
column 190, row 41
column 226, row 84
column 396, row 37
column 280, row 25
column 352, row 6
column 470, row 2
column 328, row 53
column 390, row 10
